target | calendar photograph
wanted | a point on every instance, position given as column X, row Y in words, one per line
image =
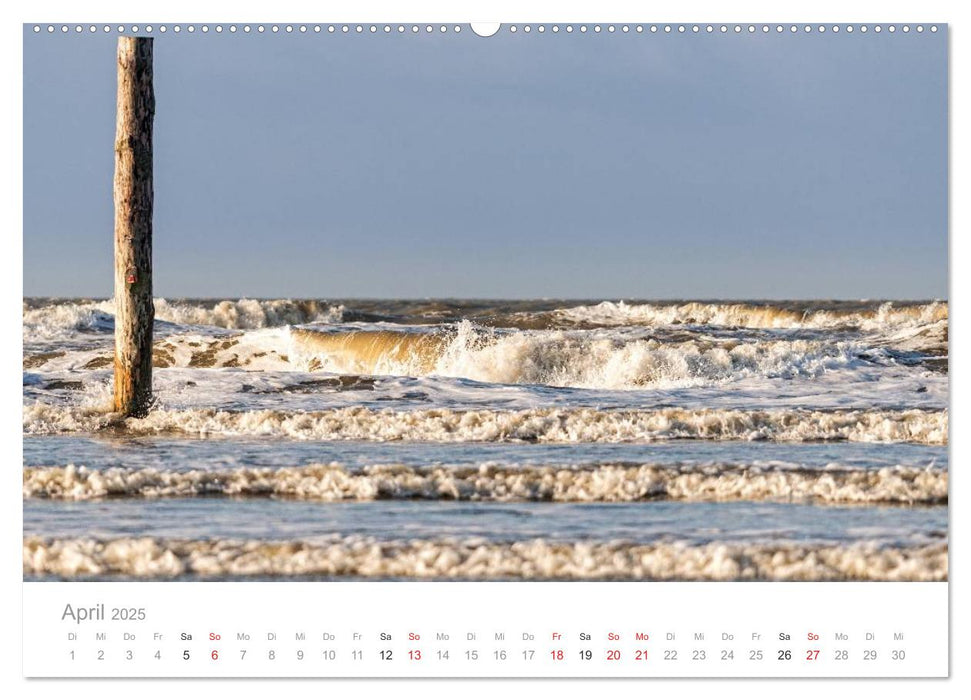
column 463, row 303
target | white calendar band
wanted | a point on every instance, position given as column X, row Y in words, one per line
column 512, row 629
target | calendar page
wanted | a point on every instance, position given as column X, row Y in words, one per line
column 422, row 349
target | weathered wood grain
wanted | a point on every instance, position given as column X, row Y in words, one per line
column 133, row 195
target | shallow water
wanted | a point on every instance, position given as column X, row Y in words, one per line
column 113, row 450
column 200, row 518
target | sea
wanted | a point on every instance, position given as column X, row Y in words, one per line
column 448, row 439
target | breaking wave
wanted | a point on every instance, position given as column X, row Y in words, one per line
column 479, row 559
column 51, row 320
column 52, row 315
column 489, row 482
column 604, row 358
column 552, row 358
column 747, row 315
column 572, row 425
column 559, row 358
column 249, row 313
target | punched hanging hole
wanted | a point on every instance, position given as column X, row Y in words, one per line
column 485, row 29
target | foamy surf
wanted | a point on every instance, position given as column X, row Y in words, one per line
column 906, row 343
column 490, row 482
column 259, row 350
column 158, row 558
column 673, row 440
column 47, row 316
column 49, row 319
column 751, row 315
column 530, row 425
column 589, row 360
column 571, row 359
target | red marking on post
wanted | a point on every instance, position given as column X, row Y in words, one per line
column 131, row 278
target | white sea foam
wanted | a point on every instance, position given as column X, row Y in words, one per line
column 888, row 315
column 94, row 315
column 257, row 350
column 531, row 425
column 491, row 482
column 54, row 319
column 249, row 313
column 552, row 358
column 480, row 559
column 602, row 359
column 561, row 358
column 628, row 373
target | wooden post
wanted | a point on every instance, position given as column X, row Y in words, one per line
column 134, row 310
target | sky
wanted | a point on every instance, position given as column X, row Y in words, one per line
column 638, row 166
